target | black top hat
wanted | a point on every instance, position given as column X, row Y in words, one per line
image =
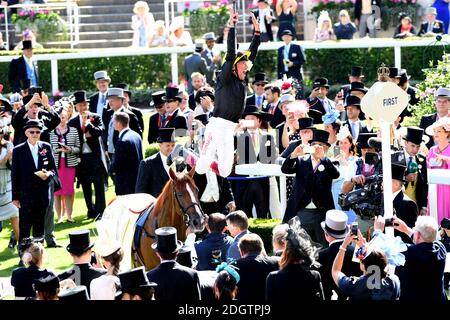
column 358, row 86
column 398, row 172
column 80, row 96
column 414, row 135
column 49, row 283
column 363, row 139
column 203, row 118
column 133, row 280
column 172, row 94
column 79, row 293
column 6, row 103
column 353, row 101
column 287, row 32
column 184, row 256
column 251, row 109
column 320, row 136
column 204, row 93
column 404, row 76
column 33, row 124
column 393, row 72
column 306, row 123
column 25, row 83
column 321, row 82
column 27, row 44
column 79, row 242
column 157, row 99
column 125, row 88
column 166, row 240
column 260, row 77
column 166, row 135
column 356, row 72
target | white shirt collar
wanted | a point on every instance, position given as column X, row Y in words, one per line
column 35, row 147
column 396, row 193
column 166, row 261
column 334, row 241
column 123, row 132
column 407, row 155
column 355, row 122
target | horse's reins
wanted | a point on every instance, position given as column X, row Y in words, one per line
column 186, row 217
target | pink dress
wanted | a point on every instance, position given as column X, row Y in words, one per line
column 443, row 191
column 66, row 176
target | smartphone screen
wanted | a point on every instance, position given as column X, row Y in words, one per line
column 337, row 151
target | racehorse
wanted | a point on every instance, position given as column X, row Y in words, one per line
column 177, row 206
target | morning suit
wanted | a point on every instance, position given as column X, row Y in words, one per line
column 427, row 121
column 326, row 260
column 152, row 176
column 195, row 63
column 176, row 283
column 225, row 194
column 138, row 113
column 208, row 56
column 294, row 282
column 251, row 101
column 32, row 192
column 19, row 69
column 296, row 56
column 155, row 122
column 406, row 210
column 438, row 27
column 253, row 270
column 82, row 274
column 92, row 159
column 319, row 105
column 22, row 280
column 93, row 102
column 133, row 124
column 126, row 161
column 177, row 120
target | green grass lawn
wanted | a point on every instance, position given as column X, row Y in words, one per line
column 58, row 259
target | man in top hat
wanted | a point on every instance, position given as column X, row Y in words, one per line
column 80, row 248
column 128, row 155
column 157, row 119
column 416, row 185
column 23, row 67
column 196, row 63
column 90, row 128
column 126, row 103
column 404, row 208
column 355, row 75
column 212, row 57
column 110, row 136
column 413, row 95
column 305, row 128
column 394, row 75
column 265, row 16
column 99, row 101
column 176, row 283
column 431, row 26
column 35, row 107
column 318, row 99
column 174, row 118
column 353, row 111
column 290, row 58
column 153, row 171
column 257, row 99
column 335, row 229
column 229, row 106
column 33, row 171
column 252, row 146
column 314, row 173
column 46, row 287
column 345, row 28
column 134, row 285
column 442, row 110
column 76, row 294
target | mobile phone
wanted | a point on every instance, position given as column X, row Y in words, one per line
column 93, row 258
column 63, row 145
column 389, row 222
column 34, row 90
column 309, row 149
column 355, row 229
column 248, row 123
column 337, row 151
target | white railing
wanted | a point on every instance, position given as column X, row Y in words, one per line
column 435, row 177
column 174, row 51
column 73, row 19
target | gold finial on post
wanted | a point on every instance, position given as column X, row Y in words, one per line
column 383, row 73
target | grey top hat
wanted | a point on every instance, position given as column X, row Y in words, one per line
column 335, row 224
column 199, row 45
column 102, row 75
column 115, row 92
column 443, row 92
column 431, row 10
column 209, row 36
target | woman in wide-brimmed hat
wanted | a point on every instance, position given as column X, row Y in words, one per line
column 178, row 36
column 142, row 23
column 324, row 30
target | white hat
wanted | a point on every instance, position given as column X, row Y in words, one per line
column 335, row 223
column 431, row 10
column 287, row 98
column 177, row 23
column 106, row 247
column 445, row 121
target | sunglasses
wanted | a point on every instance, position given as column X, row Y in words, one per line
column 34, row 132
column 260, row 84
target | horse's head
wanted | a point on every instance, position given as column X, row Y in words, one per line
column 186, row 194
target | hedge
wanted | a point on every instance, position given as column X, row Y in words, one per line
column 264, row 227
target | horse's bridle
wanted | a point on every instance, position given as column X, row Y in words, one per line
column 186, row 217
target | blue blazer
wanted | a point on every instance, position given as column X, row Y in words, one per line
column 296, row 56
column 27, row 187
column 126, row 160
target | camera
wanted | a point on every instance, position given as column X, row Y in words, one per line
column 355, row 229
column 309, row 149
column 34, row 90
column 389, row 222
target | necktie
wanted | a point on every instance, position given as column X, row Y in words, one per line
column 353, row 130
column 430, row 27
column 103, row 100
column 410, row 160
column 258, row 101
column 162, row 118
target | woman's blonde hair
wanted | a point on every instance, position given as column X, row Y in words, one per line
column 34, row 254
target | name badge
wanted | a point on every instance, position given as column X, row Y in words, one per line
column 45, row 162
column 294, row 55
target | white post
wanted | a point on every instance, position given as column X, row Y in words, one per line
column 283, row 196
column 398, row 56
column 174, row 64
column 432, row 197
column 387, row 174
column 243, row 22
column 166, row 13
column 5, row 9
column 54, row 67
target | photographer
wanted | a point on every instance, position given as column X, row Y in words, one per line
column 312, row 196
column 36, row 107
column 204, row 99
